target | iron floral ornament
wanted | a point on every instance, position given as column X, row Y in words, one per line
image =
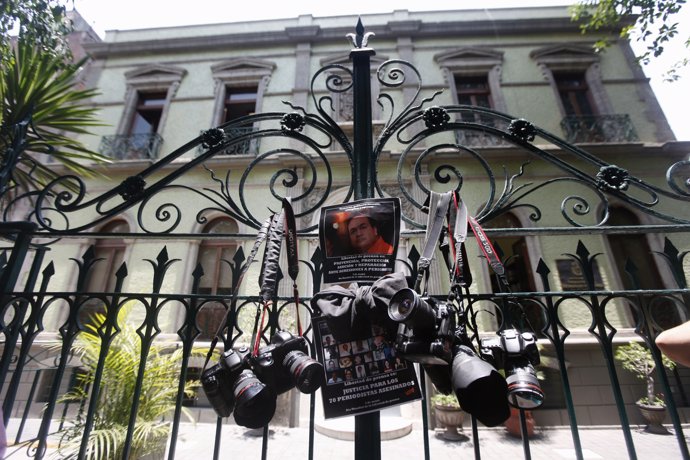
column 435, row 117
column 292, row 122
column 522, row 129
column 613, row 177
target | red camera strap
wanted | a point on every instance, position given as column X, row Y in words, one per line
column 489, row 252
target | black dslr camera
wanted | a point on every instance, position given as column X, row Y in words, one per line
column 250, row 384
column 426, row 327
column 285, row 364
column 517, row 353
column 231, row 384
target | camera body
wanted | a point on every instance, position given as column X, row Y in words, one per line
column 285, row 364
column 219, row 381
column 509, row 345
column 247, row 386
column 426, row 328
column 516, row 353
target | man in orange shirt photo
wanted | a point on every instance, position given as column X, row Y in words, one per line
column 364, row 236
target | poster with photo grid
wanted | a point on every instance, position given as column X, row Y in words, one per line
column 363, row 375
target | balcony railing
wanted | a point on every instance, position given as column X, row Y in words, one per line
column 598, row 128
column 131, row 146
column 248, row 146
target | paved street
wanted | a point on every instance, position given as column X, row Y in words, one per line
column 196, row 443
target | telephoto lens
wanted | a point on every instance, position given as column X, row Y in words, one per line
column 481, row 390
column 255, row 403
column 406, row 306
column 524, row 391
column 307, row 373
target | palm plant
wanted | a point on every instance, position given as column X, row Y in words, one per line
column 156, row 400
column 42, row 110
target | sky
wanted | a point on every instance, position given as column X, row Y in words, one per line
column 105, row 15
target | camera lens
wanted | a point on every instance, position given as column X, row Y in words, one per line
column 407, row 307
column 255, row 403
column 524, row 391
column 479, row 387
column 306, row 372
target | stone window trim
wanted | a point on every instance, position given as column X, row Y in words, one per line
column 474, row 62
column 574, row 58
column 150, row 78
column 237, row 73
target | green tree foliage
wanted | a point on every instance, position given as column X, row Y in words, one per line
column 638, row 360
column 655, row 22
column 43, row 23
column 117, row 394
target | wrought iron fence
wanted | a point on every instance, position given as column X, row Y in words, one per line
column 55, row 364
column 430, row 158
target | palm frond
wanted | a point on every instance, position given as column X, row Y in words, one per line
column 117, row 391
column 40, row 88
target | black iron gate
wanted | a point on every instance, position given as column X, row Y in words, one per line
column 434, row 154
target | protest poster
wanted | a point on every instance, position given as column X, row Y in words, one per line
column 359, row 239
column 362, row 375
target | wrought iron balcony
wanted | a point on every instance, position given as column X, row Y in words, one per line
column 247, row 146
column 598, row 128
column 131, row 146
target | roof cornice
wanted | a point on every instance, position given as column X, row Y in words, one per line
column 317, row 34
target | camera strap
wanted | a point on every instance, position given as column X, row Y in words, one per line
column 282, row 226
column 438, row 210
column 287, row 226
column 490, row 253
column 260, row 237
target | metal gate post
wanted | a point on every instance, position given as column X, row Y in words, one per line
column 367, row 426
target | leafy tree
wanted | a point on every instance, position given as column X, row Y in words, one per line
column 654, row 23
column 638, row 360
column 41, row 22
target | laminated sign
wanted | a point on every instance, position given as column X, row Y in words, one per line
column 359, row 239
column 362, row 375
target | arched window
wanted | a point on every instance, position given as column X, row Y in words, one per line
column 215, row 256
column 634, row 249
column 109, row 254
column 519, row 273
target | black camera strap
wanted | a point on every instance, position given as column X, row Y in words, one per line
column 282, row 226
column 272, row 232
column 260, row 237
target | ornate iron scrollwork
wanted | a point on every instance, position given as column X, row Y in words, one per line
column 438, row 144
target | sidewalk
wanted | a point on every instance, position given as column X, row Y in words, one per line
column 196, row 442
column 552, row 444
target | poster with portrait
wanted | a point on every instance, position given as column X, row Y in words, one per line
column 363, row 375
column 359, row 239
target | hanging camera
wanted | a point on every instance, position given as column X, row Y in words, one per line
column 426, row 327
column 246, row 382
column 231, row 385
column 517, row 354
column 285, row 364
